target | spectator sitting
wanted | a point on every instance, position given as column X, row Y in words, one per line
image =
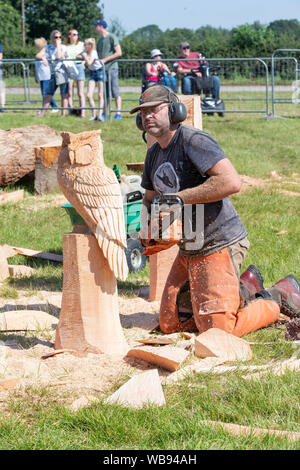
column 186, row 67
column 42, row 72
column 157, row 71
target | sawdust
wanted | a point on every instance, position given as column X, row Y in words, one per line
column 21, row 353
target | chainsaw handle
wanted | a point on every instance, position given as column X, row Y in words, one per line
column 169, row 199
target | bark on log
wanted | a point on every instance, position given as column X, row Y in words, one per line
column 17, row 156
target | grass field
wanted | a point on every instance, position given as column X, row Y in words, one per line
column 256, row 147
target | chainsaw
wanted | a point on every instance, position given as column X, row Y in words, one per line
column 165, row 227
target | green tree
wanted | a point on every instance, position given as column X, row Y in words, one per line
column 11, row 24
column 43, row 16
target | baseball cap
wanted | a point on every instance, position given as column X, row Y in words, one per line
column 184, row 44
column 154, row 96
column 100, row 23
column 155, row 52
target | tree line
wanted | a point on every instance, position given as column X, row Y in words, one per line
column 42, row 16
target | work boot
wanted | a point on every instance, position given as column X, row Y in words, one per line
column 289, row 290
column 252, row 281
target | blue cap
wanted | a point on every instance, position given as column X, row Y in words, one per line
column 100, row 23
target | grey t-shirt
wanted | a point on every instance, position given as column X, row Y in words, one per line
column 106, row 47
column 184, row 164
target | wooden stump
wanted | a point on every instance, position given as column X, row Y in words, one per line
column 45, row 176
column 89, row 319
column 161, row 263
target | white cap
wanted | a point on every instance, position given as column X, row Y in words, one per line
column 155, row 52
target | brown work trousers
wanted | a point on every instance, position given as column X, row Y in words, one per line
column 215, row 295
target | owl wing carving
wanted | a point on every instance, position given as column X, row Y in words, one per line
column 95, row 193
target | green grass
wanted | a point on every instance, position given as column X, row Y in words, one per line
column 256, row 147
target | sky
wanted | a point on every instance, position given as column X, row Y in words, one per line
column 170, row 14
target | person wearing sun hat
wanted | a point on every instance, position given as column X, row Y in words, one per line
column 157, row 71
column 109, row 51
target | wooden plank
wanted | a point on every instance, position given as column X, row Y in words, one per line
column 12, row 197
column 218, row 343
column 4, row 271
column 37, row 254
column 26, row 320
column 240, row 430
column 167, row 357
column 140, row 390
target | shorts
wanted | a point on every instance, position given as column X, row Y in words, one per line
column 81, row 73
column 114, row 76
column 96, row 75
column 50, row 87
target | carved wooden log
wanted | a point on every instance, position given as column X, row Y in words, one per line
column 89, row 319
column 45, row 176
column 17, row 157
column 161, row 263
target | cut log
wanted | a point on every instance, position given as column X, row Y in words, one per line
column 16, row 271
column 4, row 272
column 240, row 430
column 12, row 197
column 218, row 343
column 140, row 390
column 157, row 340
column 167, row 357
column 45, row 176
column 17, row 156
column 89, row 318
column 26, row 320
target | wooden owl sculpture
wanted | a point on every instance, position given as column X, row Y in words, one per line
column 93, row 190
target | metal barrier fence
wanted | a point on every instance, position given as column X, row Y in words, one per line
column 130, row 70
column 273, row 73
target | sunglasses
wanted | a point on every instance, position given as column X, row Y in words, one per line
column 186, row 47
column 57, row 37
column 73, row 34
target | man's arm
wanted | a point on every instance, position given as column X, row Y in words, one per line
column 222, row 182
column 116, row 55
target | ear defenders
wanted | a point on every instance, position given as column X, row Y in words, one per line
column 177, row 111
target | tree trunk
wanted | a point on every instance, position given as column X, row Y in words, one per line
column 17, row 156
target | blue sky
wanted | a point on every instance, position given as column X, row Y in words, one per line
column 192, row 14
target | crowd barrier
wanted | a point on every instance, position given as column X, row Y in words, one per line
column 255, row 69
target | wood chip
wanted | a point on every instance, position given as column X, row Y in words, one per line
column 140, row 390
column 167, row 357
column 8, row 384
column 157, row 340
column 218, row 343
column 12, row 197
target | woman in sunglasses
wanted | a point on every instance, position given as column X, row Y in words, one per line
column 54, row 54
column 74, row 47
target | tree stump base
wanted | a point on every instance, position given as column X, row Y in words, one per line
column 89, row 319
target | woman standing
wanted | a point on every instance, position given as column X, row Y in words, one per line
column 74, row 47
column 94, row 64
column 54, row 54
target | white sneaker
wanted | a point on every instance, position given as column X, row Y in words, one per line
column 101, row 119
column 92, row 118
column 54, row 110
